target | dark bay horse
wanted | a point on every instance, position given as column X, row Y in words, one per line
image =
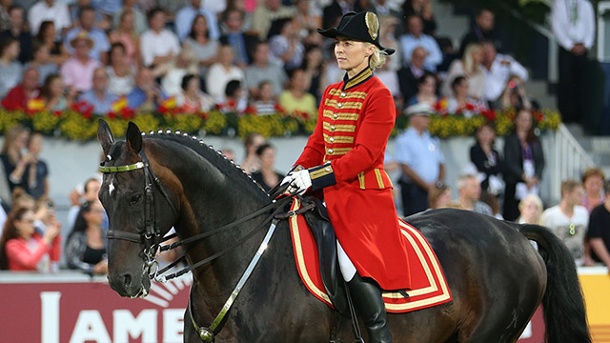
column 155, row 181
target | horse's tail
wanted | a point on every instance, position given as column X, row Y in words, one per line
column 564, row 307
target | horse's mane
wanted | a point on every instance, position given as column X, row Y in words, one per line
column 215, row 157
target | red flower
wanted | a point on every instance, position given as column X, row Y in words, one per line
column 250, row 110
column 489, row 114
column 57, row 113
column 279, row 109
column 127, row 113
column 538, row 116
column 111, row 115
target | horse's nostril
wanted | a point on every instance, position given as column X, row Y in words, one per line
column 127, row 280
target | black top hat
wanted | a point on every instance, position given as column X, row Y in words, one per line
column 361, row 26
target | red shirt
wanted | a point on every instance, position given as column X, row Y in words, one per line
column 355, row 120
column 25, row 255
column 17, row 99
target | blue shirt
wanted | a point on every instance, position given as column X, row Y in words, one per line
column 184, row 21
column 422, row 153
column 137, row 97
column 100, row 106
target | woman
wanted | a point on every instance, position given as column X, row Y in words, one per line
column 513, row 95
column 54, row 95
column 198, row 41
column 460, row 102
column 524, row 163
column 266, row 176
column 10, row 68
column 87, row 243
column 251, row 143
column 593, row 182
column 192, row 99
column 530, row 210
column 469, row 66
column 344, row 157
column 23, row 249
column 426, row 91
column 296, row 99
column 46, row 36
column 487, row 159
column 14, row 161
column 120, row 73
column 127, row 35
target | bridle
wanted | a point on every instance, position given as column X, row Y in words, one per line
column 150, row 237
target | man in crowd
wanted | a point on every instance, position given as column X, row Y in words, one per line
column 99, row 96
column 483, row 29
column 17, row 30
column 101, row 45
column 261, row 69
column 77, row 71
column 158, row 45
column 18, row 98
column 498, row 69
column 415, row 37
column 469, row 193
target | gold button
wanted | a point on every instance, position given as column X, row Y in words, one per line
column 332, row 127
column 330, row 151
column 327, row 169
column 339, row 105
column 335, row 115
column 332, row 139
column 343, row 94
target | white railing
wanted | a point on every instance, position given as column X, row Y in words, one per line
column 569, row 160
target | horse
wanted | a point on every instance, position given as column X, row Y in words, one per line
column 153, row 182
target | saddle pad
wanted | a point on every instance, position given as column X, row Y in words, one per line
column 429, row 286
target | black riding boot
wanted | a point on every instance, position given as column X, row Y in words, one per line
column 370, row 307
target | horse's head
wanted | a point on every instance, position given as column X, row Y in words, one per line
column 140, row 209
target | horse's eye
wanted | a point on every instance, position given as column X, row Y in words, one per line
column 135, row 199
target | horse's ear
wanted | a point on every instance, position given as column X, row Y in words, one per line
column 134, row 137
column 104, row 135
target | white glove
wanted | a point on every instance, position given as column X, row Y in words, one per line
column 287, row 179
column 301, row 181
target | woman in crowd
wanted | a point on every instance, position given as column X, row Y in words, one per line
column 42, row 61
column 55, row 96
column 198, row 41
column 120, row 72
column 468, row 66
column 593, row 182
column 296, row 99
column 192, row 99
column 251, row 143
column 530, row 210
column 267, row 177
column 14, row 161
column 426, row 90
column 513, row 96
column 127, row 35
column 46, row 36
column 24, row 249
column 86, row 246
column 38, row 171
column 388, row 73
column 524, row 163
column 460, row 102
column 487, row 159
column 10, row 68
column 315, row 70
column 265, row 101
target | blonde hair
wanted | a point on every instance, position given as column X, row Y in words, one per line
column 470, row 67
column 378, row 58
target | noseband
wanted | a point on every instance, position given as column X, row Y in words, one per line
column 150, row 237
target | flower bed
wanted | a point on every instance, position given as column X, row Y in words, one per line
column 82, row 126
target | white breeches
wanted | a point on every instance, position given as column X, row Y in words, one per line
column 348, row 270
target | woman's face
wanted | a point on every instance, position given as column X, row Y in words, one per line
column 12, row 51
column 95, row 216
column 56, row 87
column 200, row 25
column 298, row 80
column 352, row 55
column 268, row 157
column 477, row 55
column 531, row 212
column 523, row 121
column 117, row 55
column 256, row 142
column 428, row 86
column 266, row 92
column 486, row 135
column 192, row 86
column 127, row 21
column 50, row 30
column 25, row 225
column 593, row 185
column 21, row 141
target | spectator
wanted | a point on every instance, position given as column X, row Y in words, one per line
column 598, row 232
column 14, row 161
column 469, row 66
column 414, row 38
column 86, row 247
column 42, row 62
column 46, row 36
column 422, row 9
column 469, row 193
column 483, row 29
column 19, row 32
column 494, row 204
column 487, row 159
column 439, row 197
column 77, row 71
column 21, row 199
column 498, row 69
column 99, row 96
column 90, row 188
column 573, row 23
column 204, row 48
column 55, row 96
column 569, row 220
column 234, row 100
column 513, row 96
column 222, row 72
column 186, row 16
column 120, row 72
column 421, row 160
column 44, row 214
column 265, row 102
column 286, row 47
column 460, row 102
column 267, row 177
column 24, row 249
column 10, row 69
column 593, row 182
column 530, row 210
column 251, row 162
column 137, row 20
column 295, row 98
column 158, row 45
column 101, row 45
column 146, row 96
column 49, row 10
column 523, row 163
column 233, row 34
column 4, row 17
column 306, row 19
column 20, row 97
column 388, row 74
column 261, row 69
column 315, row 70
column 183, row 64
column 192, row 99
column 426, row 91
column 409, row 75
column 37, row 170
column 268, row 11
column 126, row 34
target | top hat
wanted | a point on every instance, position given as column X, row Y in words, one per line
column 361, row 26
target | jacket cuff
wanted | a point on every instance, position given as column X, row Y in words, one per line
column 322, row 176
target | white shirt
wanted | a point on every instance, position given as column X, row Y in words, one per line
column 40, row 12
column 501, row 70
column 570, row 30
column 570, row 230
column 218, row 77
column 154, row 44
